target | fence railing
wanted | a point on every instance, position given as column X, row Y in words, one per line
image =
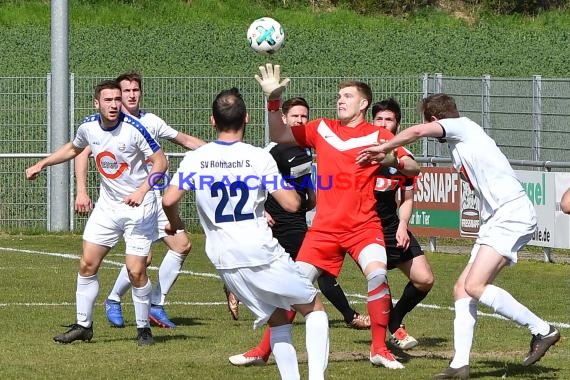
column 527, row 117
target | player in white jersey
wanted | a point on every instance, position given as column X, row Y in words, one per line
column 126, row 206
column 508, row 223
column 231, row 180
column 178, row 245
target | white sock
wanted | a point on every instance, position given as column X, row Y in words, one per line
column 284, row 352
column 167, row 275
column 141, row 300
column 122, row 284
column 463, row 329
column 85, row 295
column 317, row 342
column 503, row 303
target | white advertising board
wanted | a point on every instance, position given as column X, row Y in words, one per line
column 539, row 187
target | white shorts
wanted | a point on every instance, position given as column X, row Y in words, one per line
column 264, row 288
column 137, row 225
column 508, row 230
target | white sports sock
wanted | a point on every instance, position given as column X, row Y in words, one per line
column 141, row 300
column 505, row 304
column 85, row 295
column 317, row 342
column 284, row 352
column 463, row 329
column 167, row 275
column 122, row 284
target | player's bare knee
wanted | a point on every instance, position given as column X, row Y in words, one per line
column 474, row 289
column 459, row 290
column 424, row 282
column 88, row 268
column 179, row 244
column 186, row 249
column 137, row 275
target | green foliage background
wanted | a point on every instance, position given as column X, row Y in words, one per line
column 207, row 38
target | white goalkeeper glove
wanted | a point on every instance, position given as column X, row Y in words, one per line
column 270, row 81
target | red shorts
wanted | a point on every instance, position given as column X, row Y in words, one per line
column 326, row 250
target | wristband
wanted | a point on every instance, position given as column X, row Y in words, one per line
column 400, row 165
column 274, row 105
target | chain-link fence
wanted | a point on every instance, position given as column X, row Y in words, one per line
column 527, row 117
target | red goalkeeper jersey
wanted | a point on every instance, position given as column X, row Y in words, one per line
column 345, row 190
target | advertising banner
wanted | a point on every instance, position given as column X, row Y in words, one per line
column 470, row 219
column 539, row 187
column 436, row 203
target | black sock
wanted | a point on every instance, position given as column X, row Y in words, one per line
column 411, row 296
column 334, row 293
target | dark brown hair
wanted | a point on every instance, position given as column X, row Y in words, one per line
column 442, row 106
column 106, row 85
column 293, row 102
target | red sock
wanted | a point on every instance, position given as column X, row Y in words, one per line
column 379, row 311
column 264, row 347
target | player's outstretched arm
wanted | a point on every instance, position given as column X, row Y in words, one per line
column 83, row 203
column 187, row 141
column 64, row 153
column 407, row 136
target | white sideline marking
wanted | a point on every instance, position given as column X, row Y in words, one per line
column 105, row 261
column 212, row 275
column 34, row 304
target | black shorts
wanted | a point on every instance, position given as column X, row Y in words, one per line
column 291, row 241
column 397, row 255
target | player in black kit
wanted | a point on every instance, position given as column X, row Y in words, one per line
column 403, row 250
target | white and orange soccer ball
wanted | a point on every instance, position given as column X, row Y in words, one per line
column 265, row 35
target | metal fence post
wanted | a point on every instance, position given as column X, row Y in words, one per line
column 438, row 87
column 59, row 126
column 425, row 87
column 486, row 103
column 536, row 115
column 71, row 129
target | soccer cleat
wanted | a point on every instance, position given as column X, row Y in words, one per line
column 359, row 322
column 159, row 317
column 385, row 358
column 76, row 332
column 144, row 336
column 114, row 313
column 250, row 358
column 453, row 373
column 233, row 303
column 539, row 344
column 402, row 340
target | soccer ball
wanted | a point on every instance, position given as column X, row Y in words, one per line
column 265, row 35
